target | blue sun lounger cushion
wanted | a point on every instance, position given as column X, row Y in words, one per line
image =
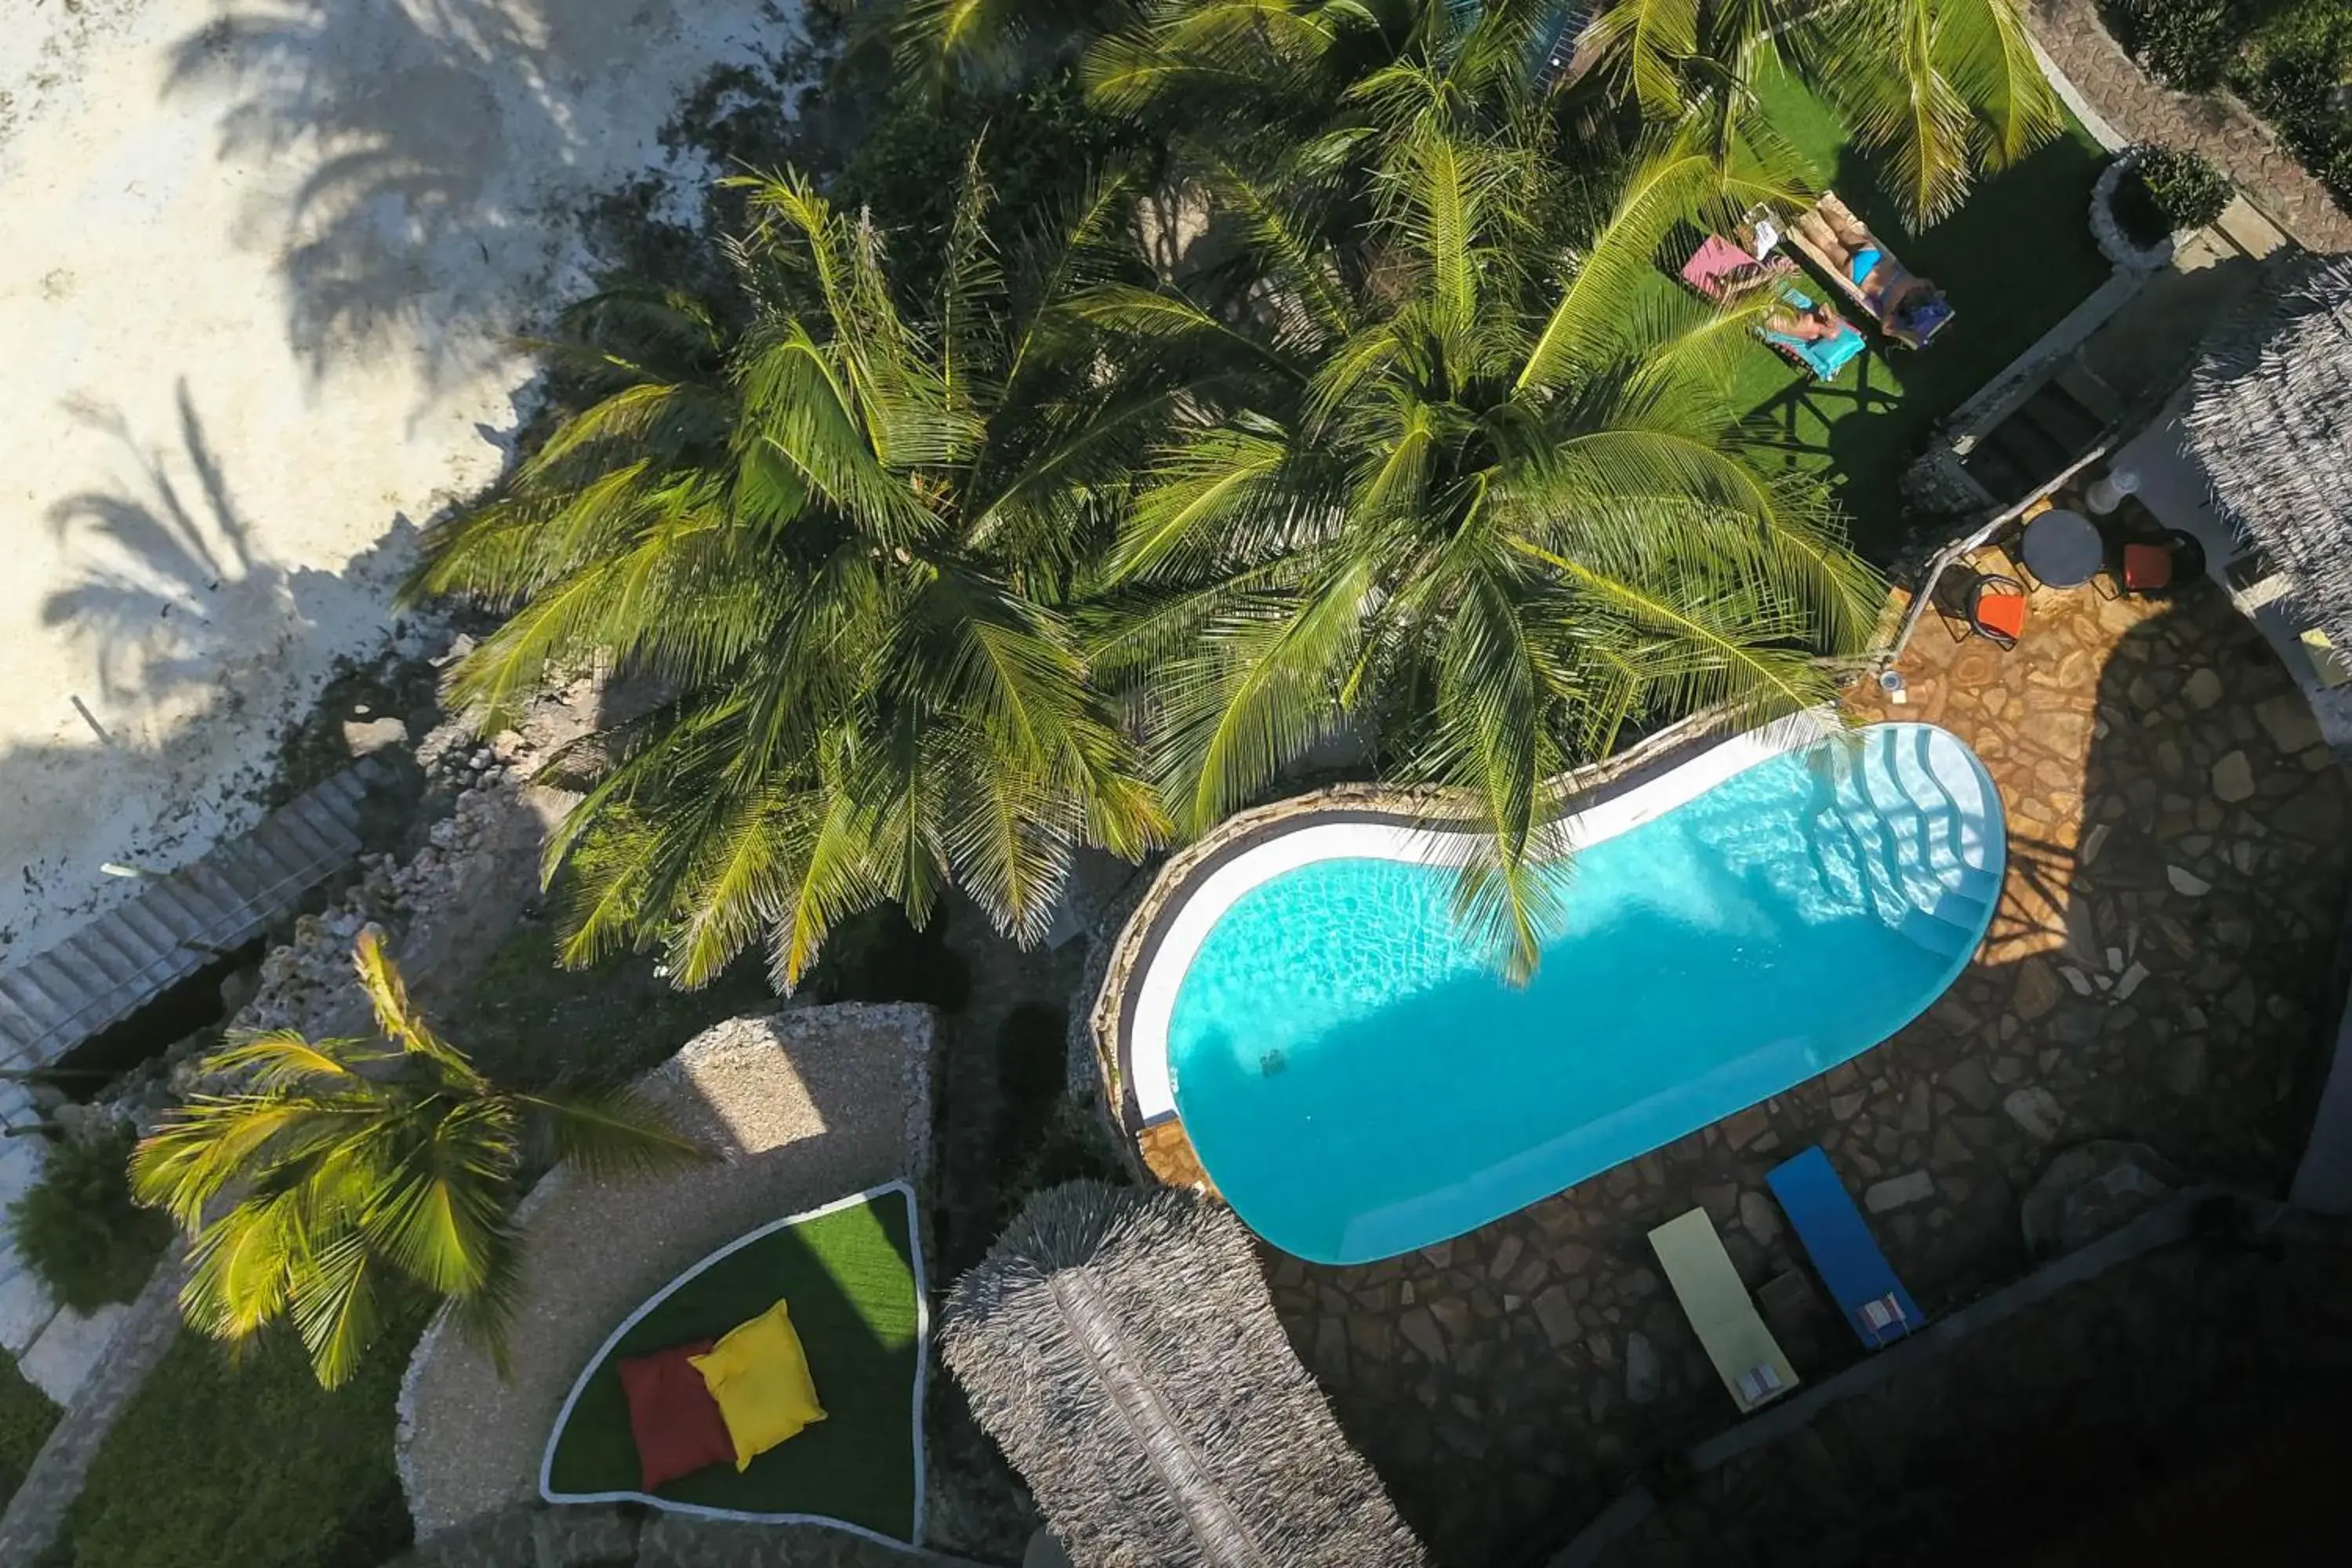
column 1824, row 356
column 1849, row 1262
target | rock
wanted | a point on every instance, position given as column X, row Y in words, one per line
column 2036, row 1110
column 1968, row 1081
column 1643, row 1375
column 2187, row 882
column 2130, row 981
column 2203, row 689
column 2288, row 719
column 1898, row 1191
column 2090, row 1190
column 2233, row 779
column 365, row 738
column 1506, row 1255
column 1917, row 1115
column 237, row 988
column 1756, row 1217
column 459, row 646
column 2184, row 1066
column 2037, row 989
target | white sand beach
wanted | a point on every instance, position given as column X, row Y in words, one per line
column 258, row 256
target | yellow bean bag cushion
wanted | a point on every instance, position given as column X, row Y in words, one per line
column 759, row 1378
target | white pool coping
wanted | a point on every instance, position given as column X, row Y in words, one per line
column 1150, row 1077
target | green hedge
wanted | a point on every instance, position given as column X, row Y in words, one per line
column 79, row 1230
column 2287, row 58
column 26, row 1417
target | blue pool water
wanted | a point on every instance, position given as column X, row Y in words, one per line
column 1358, row 1082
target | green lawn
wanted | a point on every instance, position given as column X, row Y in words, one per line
column 2015, row 260
column 248, row 1461
column 850, row 1281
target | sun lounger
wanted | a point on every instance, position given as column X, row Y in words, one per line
column 1848, row 1260
column 1721, row 272
column 1744, row 1353
column 1920, row 327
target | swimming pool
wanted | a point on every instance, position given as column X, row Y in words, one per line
column 1358, row 1083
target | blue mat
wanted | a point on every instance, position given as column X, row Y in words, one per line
column 1844, row 1253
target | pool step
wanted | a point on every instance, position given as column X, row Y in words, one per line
column 1951, row 930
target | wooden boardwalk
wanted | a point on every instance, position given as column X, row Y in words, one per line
column 176, row 924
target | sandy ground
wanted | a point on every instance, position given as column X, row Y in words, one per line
column 259, row 258
column 805, row 1106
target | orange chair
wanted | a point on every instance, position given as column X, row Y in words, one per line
column 1997, row 609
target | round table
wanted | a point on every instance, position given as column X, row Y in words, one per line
column 2062, row 548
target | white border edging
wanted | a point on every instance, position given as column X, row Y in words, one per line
column 1148, row 1074
column 922, row 1364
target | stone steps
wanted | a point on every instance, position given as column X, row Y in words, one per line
column 175, row 925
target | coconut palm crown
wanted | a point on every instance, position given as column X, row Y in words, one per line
column 1499, row 516
column 348, row 1160
column 839, row 530
column 1938, row 89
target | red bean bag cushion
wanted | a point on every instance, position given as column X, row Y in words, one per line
column 672, row 1415
column 2146, row 567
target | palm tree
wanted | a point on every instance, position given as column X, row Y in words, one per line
column 347, row 1158
column 1498, row 514
column 1939, row 89
column 842, row 534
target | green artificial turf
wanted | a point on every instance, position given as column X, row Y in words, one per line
column 855, row 1294
column 2013, row 260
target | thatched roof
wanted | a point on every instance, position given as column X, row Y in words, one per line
column 1121, row 1348
column 2272, row 423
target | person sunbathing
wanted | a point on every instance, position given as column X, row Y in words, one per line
column 1901, row 300
column 1812, row 324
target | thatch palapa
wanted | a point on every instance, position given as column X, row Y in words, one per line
column 2272, row 424
column 1121, row 1348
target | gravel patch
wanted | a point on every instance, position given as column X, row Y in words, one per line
column 805, row 1106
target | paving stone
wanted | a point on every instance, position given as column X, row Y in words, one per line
column 2203, row 689
column 2233, row 778
column 2037, row 989
column 1968, row 1078
column 1557, row 1318
column 1420, row 1330
column 2187, row 882
column 1895, row 1192
column 1643, row 1375
column 1746, row 1127
column 2287, row 718
column 1759, row 1219
column 2184, row 1066
column 62, row 1358
column 25, row 1309
column 2036, row 1110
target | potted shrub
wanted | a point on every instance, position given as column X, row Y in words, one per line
column 2150, row 194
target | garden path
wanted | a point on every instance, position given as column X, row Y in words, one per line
column 2146, row 110
column 2157, row 971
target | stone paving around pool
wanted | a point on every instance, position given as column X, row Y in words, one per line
column 2158, row 971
